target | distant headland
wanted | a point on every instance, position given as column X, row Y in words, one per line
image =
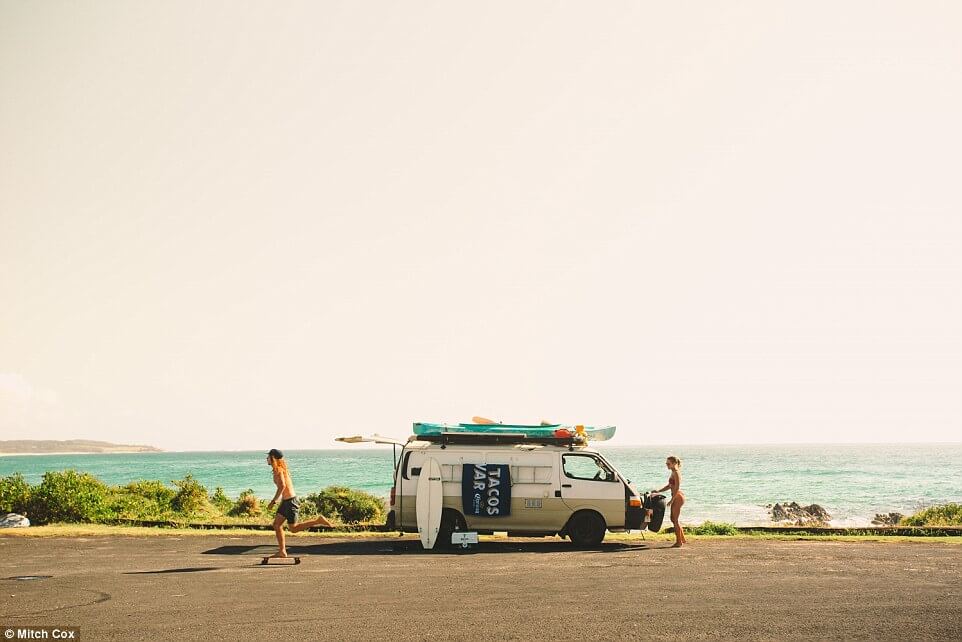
column 68, row 447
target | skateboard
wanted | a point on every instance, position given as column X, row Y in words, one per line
column 289, row 561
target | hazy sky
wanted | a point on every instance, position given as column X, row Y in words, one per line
column 230, row 225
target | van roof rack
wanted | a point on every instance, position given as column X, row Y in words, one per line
column 446, row 438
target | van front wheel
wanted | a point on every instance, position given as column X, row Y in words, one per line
column 586, row 529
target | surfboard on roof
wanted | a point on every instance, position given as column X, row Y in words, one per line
column 589, row 433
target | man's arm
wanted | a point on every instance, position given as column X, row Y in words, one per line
column 279, row 482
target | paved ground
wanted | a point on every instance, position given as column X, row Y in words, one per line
column 124, row 588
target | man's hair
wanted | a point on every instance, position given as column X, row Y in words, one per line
column 277, row 461
column 279, row 465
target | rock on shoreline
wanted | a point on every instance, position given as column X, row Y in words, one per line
column 12, row 520
column 887, row 519
column 797, row 515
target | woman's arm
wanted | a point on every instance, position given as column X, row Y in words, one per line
column 674, row 480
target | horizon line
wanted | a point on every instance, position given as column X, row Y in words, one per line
column 596, row 445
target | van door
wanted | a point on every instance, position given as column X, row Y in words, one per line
column 588, row 482
column 409, row 470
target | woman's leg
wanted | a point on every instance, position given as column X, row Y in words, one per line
column 279, row 532
column 676, row 504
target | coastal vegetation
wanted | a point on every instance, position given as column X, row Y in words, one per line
column 944, row 515
column 346, row 504
column 70, row 496
column 709, row 528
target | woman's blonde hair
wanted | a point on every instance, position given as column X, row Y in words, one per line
column 675, row 460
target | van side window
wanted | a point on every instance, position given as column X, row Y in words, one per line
column 412, row 464
column 586, row 467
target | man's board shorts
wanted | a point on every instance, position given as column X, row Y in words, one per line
column 289, row 508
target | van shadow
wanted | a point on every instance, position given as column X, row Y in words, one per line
column 413, row 547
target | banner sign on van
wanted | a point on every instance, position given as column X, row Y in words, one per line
column 486, row 490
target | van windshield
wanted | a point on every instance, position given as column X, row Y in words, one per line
column 579, row 466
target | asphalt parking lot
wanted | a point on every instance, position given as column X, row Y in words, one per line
column 213, row 588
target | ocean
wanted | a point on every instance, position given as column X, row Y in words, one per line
column 721, row 483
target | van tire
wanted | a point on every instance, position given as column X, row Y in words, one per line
column 586, row 528
column 451, row 521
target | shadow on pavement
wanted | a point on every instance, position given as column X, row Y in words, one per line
column 414, row 548
column 193, row 569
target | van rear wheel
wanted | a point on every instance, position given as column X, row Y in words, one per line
column 586, row 529
column 451, row 521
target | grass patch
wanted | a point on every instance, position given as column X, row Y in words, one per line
column 104, row 530
column 710, row 528
column 781, row 537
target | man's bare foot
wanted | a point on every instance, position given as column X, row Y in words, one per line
column 281, row 554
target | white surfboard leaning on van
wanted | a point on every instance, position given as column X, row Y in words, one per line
column 429, row 503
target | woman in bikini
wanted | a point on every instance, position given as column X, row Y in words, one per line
column 287, row 511
column 677, row 498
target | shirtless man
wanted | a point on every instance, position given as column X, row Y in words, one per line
column 677, row 498
column 289, row 504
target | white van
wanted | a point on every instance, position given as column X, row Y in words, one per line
column 523, row 486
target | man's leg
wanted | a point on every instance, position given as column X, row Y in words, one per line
column 279, row 532
column 320, row 520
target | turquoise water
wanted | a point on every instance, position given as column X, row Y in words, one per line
column 722, row 483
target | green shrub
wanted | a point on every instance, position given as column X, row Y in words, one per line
column 944, row 515
column 124, row 505
column 146, row 500
column 713, row 528
column 221, row 501
column 14, row 494
column 68, row 496
column 247, row 505
column 154, row 490
column 191, row 497
column 346, row 504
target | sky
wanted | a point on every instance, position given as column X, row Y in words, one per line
column 241, row 226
